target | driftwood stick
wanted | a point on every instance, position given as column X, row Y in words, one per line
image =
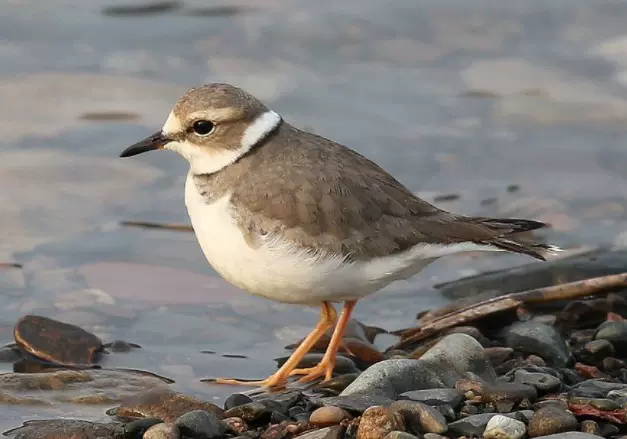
column 154, row 225
column 571, row 290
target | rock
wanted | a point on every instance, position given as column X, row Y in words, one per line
column 138, row 427
column 66, row 428
column 420, row 417
column 499, row 392
column 475, row 425
column 163, row 403
column 539, row 339
column 356, row 402
column 400, row 435
column 599, row 403
column 235, row 400
column 558, row 403
column 503, row 427
column 551, row 420
column 570, row 435
column 201, row 424
column 283, row 430
column 343, row 364
column 434, row 436
column 598, row 349
column 250, row 412
column 614, row 332
column 324, row 433
column 452, row 358
column 595, row 388
column 162, row 431
column 377, row 422
column 330, row 415
column 236, row 424
column 435, row 397
column 543, row 382
column 590, row 427
column 497, row 355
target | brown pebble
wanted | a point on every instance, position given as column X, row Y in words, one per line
column 550, row 420
column 377, row 421
column 536, row 361
column 162, row 431
column 329, row 415
column 497, row 355
column 591, row 427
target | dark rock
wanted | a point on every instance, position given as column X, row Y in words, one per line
column 162, row 431
column 497, row 355
column 356, row 402
column 599, row 403
column 336, row 384
column 376, row 422
column 201, row 424
column 277, row 417
column 435, row 397
column 607, row 429
column 283, row 430
column 162, row 403
column 543, row 382
column 10, row 354
column 475, row 425
column 598, row 349
column 551, row 420
column 504, row 427
column 595, row 388
column 343, row 364
column 570, row 435
column 138, row 427
column 329, row 415
column 251, row 412
column 434, row 436
column 420, row 417
column 324, row 433
column 539, row 339
column 66, row 428
column 499, row 392
column 557, row 403
column 441, row 366
column 121, row 346
column 614, row 332
column 235, row 400
column 571, row 377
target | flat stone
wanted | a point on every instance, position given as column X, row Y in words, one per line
column 435, row 397
column 503, row 427
column 595, row 388
column 66, row 428
column 570, row 435
column 235, row 400
column 543, row 382
column 323, row 433
column 355, row 402
column 452, row 358
column 475, row 425
column 200, row 423
column 614, row 332
column 599, row 403
column 376, row 422
column 539, row 339
column 329, row 415
column 421, row 417
column 249, row 412
column 551, row 420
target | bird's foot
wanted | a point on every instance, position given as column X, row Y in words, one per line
column 275, row 381
column 322, row 369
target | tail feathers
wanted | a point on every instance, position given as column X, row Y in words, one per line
column 506, row 227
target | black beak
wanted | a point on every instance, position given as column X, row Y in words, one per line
column 150, row 143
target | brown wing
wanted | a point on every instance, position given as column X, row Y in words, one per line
column 323, row 196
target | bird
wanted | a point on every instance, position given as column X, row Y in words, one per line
column 297, row 218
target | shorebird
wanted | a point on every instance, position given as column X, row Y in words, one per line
column 296, row 218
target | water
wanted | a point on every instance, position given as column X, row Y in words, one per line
column 466, row 97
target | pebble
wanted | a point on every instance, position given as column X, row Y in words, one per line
column 199, row 423
column 550, row 420
column 571, row 435
column 377, row 422
column 355, row 402
column 595, row 388
column 236, row 424
column 499, row 392
column 558, row 403
column 599, row 349
column 421, row 417
column 538, row 339
column 441, row 366
column 543, row 382
column 503, row 427
column 591, row 427
column 599, row 403
column 400, row 435
column 249, row 412
column 434, row 436
column 614, row 332
column 329, row 415
column 435, row 397
column 497, row 355
column 162, row 431
column 235, row 400
column 324, row 433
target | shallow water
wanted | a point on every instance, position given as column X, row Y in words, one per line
column 464, row 97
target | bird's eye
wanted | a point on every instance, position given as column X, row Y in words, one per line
column 202, row 127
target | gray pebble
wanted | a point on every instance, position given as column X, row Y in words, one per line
column 441, row 366
column 162, row 431
column 543, row 382
column 570, row 435
column 475, row 425
column 503, row 427
column 399, row 435
column 323, row 433
column 595, row 388
column 199, row 423
column 600, row 403
column 435, row 397
column 356, row 402
column 434, row 436
column 614, row 332
column 539, row 339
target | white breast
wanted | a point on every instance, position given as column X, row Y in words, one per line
column 280, row 271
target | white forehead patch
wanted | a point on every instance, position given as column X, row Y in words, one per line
column 260, row 127
column 172, row 125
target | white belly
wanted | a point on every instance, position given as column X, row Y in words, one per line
column 280, row 271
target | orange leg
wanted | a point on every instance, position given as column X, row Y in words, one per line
column 327, row 364
column 328, row 317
